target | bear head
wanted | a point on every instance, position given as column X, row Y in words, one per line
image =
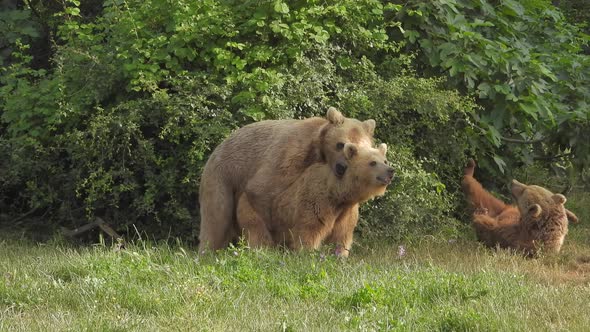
column 368, row 172
column 537, row 203
column 339, row 131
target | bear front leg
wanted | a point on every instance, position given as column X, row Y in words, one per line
column 312, row 226
column 304, row 239
column 308, row 233
column 488, row 231
column 252, row 226
column 342, row 233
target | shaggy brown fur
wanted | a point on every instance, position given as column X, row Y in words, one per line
column 538, row 221
column 307, row 213
column 263, row 159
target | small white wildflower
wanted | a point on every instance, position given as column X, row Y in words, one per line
column 401, row 251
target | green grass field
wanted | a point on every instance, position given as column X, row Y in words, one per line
column 438, row 284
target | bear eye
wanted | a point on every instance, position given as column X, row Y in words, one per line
column 339, row 146
column 373, row 163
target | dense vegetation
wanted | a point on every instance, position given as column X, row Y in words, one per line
column 110, row 108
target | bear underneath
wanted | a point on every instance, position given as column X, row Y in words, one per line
column 538, row 221
column 306, row 214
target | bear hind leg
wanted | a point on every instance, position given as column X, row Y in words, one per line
column 252, row 226
column 480, row 199
column 216, row 200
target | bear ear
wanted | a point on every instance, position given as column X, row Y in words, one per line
column 382, row 148
column 369, row 126
column 559, row 198
column 517, row 188
column 334, row 116
column 535, row 210
column 350, row 150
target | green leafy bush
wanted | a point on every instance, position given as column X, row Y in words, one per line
column 15, row 25
column 122, row 122
column 117, row 114
column 417, row 202
column 523, row 60
column 425, row 126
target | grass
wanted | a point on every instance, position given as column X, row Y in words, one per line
column 435, row 286
column 445, row 285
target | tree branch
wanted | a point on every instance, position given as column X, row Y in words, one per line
column 514, row 140
column 34, row 10
column 522, row 141
column 559, row 156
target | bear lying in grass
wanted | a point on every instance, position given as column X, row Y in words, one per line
column 538, row 221
column 307, row 213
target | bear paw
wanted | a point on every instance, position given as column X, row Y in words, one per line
column 480, row 211
column 341, row 252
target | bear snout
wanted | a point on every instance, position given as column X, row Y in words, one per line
column 386, row 179
column 340, row 169
column 390, row 171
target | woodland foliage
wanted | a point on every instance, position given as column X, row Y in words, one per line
column 110, row 108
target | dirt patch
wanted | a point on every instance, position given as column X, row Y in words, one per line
column 577, row 271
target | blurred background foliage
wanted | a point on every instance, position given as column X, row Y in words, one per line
column 110, row 108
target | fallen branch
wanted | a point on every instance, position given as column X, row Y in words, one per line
column 19, row 218
column 98, row 222
column 79, row 230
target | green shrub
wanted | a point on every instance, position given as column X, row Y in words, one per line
column 524, row 62
column 425, row 127
column 117, row 118
column 122, row 122
column 417, row 202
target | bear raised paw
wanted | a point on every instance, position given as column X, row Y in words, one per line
column 263, row 159
column 538, row 220
column 307, row 213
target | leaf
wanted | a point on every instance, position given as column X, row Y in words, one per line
column 502, row 88
column 514, row 7
column 488, row 9
column 412, row 35
column 547, row 72
column 426, row 44
column 281, row 7
column 447, row 49
column 470, row 81
column 530, row 109
column 393, row 7
column 74, row 11
column 255, row 113
column 377, row 11
column 239, row 63
column 500, row 163
column 485, row 90
column 511, row 97
column 493, row 136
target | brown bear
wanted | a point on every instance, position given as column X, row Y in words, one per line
column 263, row 159
column 306, row 213
column 538, row 221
